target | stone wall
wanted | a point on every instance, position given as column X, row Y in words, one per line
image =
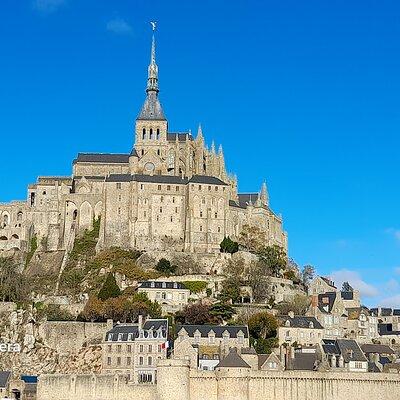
column 67, row 337
column 92, row 387
column 177, row 382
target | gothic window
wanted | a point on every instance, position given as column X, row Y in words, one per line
column 144, row 134
column 19, row 216
column 158, row 134
column 151, row 134
column 171, row 159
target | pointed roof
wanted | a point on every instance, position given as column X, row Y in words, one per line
column 152, row 109
column 233, row 360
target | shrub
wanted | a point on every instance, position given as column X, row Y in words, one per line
column 110, row 288
column 195, row 286
column 164, row 266
column 229, row 246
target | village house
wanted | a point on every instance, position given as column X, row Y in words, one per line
column 134, row 349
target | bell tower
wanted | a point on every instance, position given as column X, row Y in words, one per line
column 151, row 125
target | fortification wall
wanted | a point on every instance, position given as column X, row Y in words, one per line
column 92, row 387
column 229, row 384
column 177, row 382
column 67, row 336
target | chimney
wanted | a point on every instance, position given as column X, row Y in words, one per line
column 140, row 321
column 110, row 324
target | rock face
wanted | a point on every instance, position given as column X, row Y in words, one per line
column 37, row 356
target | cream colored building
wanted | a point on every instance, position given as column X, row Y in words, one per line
column 169, row 191
column 300, row 330
column 172, row 296
column 135, row 349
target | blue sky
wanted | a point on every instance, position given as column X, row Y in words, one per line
column 302, row 94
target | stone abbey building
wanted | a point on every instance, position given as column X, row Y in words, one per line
column 169, row 192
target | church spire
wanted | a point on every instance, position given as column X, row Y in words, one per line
column 152, row 80
column 152, row 109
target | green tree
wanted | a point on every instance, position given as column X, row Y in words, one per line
column 274, row 258
column 230, row 290
column 262, row 328
column 221, row 312
column 229, row 246
column 109, row 289
column 164, row 266
column 299, row 305
column 13, row 285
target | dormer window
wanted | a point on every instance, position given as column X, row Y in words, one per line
column 311, row 325
column 164, row 285
column 152, row 284
column 197, row 336
column 130, row 337
column 120, row 337
column 211, row 336
column 240, row 337
column 110, row 337
column 226, row 336
column 287, row 323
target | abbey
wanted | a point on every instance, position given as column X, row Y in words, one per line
column 169, row 192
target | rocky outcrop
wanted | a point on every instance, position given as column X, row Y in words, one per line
column 36, row 355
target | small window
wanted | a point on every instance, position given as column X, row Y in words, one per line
column 168, row 187
column 177, row 188
column 201, row 228
column 119, row 185
column 158, row 152
column 158, row 134
column 108, row 360
column 142, row 186
column 151, row 134
column 118, row 360
column 140, row 360
column 159, row 187
column 216, row 215
column 160, row 209
column 216, row 188
column 199, row 187
column 144, row 134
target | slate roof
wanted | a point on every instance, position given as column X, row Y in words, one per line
column 396, row 311
column 377, row 348
column 102, row 158
column 162, row 285
column 168, row 179
column 326, row 301
column 347, row 295
column 151, row 109
column 387, row 329
column 300, row 321
column 348, row 348
column 126, row 329
column 90, row 177
column 210, row 180
column 328, row 282
column 217, row 329
column 4, row 378
column 171, row 136
column 303, row 361
column 246, row 198
column 232, row 360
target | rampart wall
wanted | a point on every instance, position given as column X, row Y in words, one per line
column 177, row 382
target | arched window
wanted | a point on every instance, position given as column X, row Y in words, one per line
column 171, row 159
column 151, row 134
column 19, row 216
column 6, row 220
column 144, row 133
column 158, row 134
